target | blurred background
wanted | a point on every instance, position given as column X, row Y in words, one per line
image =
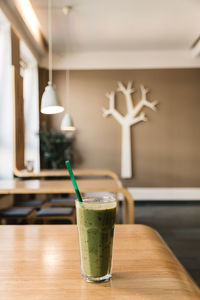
column 84, row 48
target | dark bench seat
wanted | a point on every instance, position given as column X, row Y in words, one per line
column 60, row 213
column 62, row 202
column 36, row 203
column 17, row 213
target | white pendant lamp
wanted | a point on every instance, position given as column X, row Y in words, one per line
column 49, row 102
column 67, row 123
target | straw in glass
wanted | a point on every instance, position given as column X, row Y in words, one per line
column 73, row 181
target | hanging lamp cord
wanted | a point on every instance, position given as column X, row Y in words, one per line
column 68, row 91
column 50, row 39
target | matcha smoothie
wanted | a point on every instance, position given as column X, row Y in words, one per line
column 96, row 219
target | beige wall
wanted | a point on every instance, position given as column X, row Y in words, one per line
column 166, row 149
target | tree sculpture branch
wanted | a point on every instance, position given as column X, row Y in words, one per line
column 112, row 111
column 144, row 102
column 132, row 116
column 138, row 119
column 127, row 93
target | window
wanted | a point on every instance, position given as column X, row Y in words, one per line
column 6, row 106
column 29, row 72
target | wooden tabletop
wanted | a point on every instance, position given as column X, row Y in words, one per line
column 56, row 186
column 42, row 262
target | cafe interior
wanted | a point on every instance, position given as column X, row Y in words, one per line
column 99, row 100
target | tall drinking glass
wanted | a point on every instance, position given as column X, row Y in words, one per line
column 96, row 219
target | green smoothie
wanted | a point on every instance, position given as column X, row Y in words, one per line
column 96, row 219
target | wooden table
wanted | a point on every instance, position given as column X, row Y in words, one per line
column 64, row 186
column 42, row 262
column 64, row 173
column 56, row 186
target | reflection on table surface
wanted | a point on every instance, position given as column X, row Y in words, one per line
column 45, row 261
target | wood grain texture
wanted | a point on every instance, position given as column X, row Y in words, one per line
column 65, row 187
column 42, row 262
column 18, row 130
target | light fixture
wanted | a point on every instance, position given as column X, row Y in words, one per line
column 66, row 10
column 27, row 12
column 67, row 123
column 49, row 103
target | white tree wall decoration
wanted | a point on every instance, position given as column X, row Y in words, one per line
column 133, row 116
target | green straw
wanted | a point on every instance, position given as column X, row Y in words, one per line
column 73, row 181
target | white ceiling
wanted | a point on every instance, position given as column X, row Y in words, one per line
column 122, row 25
